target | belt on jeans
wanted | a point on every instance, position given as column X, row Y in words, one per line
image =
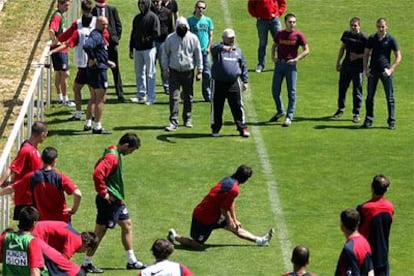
column 282, row 60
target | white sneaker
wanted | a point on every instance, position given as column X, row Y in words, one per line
column 259, row 68
column 287, row 122
column 70, row 104
column 134, row 100
column 171, row 127
column 171, row 235
column 265, row 241
column 188, row 123
column 215, row 134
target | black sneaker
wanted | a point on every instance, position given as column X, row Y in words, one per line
column 136, row 265
column 87, row 128
column 121, row 99
column 101, row 131
column 391, row 126
column 74, row 118
column 90, row 268
column 338, row 114
column 276, row 117
column 367, row 124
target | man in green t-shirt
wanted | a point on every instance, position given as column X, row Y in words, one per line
column 109, row 201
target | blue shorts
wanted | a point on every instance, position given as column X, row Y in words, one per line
column 200, row 232
column 60, row 62
column 82, row 76
column 98, row 78
column 110, row 213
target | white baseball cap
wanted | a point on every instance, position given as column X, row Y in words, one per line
column 229, row 33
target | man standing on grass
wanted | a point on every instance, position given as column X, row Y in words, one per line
column 202, row 26
column 285, row 56
column 353, row 45
column 110, row 196
column 355, row 258
column 60, row 59
column 180, row 55
column 378, row 51
column 217, row 210
column 97, row 49
column 376, row 219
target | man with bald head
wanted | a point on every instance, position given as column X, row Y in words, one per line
column 97, row 49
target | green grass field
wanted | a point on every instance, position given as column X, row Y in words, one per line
column 304, row 176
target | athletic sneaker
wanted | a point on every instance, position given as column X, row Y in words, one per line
column 215, row 134
column 356, row 119
column 69, row 104
column 276, row 117
column 287, row 122
column 90, row 268
column 265, row 241
column 367, row 124
column 87, row 128
column 391, row 126
column 171, row 127
column 171, row 235
column 136, row 265
column 74, row 118
column 101, row 131
column 338, row 114
column 244, row 132
column 188, row 124
column 259, row 68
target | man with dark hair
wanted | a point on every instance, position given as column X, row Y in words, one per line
column 353, row 45
column 286, row 56
column 355, row 258
column 110, row 200
column 300, row 260
column 49, row 187
column 376, row 219
column 20, row 252
column 217, row 210
column 378, row 52
column 65, row 239
column 162, row 249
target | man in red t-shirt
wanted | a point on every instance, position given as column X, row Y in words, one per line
column 285, row 56
column 62, row 237
column 28, row 158
column 217, row 210
column 376, row 219
column 49, row 188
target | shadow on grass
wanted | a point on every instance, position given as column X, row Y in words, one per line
column 167, row 137
column 68, row 132
column 208, row 246
column 353, row 127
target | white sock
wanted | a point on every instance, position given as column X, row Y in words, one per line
column 66, row 98
column 259, row 240
column 60, row 97
column 88, row 260
column 98, row 125
column 78, row 113
column 88, row 122
column 131, row 256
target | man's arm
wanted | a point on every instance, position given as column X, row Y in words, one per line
column 77, row 196
column 340, row 56
column 5, row 176
column 367, row 54
column 7, row 190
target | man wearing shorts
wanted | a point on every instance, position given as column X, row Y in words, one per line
column 60, row 59
column 110, row 202
column 217, row 210
column 97, row 49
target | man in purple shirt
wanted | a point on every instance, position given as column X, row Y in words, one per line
column 285, row 55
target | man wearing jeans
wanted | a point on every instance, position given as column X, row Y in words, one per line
column 202, row 26
column 378, row 50
column 285, row 55
column 267, row 13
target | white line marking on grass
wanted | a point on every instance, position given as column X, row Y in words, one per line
column 281, row 228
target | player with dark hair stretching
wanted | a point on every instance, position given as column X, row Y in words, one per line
column 217, row 210
column 376, row 218
column 300, row 260
column 355, row 258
